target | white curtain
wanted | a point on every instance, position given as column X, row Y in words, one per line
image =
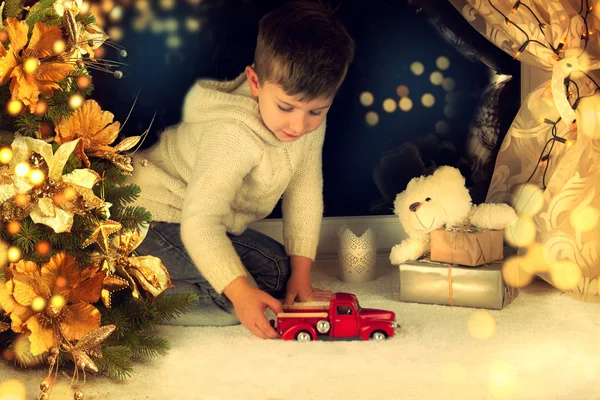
column 560, row 36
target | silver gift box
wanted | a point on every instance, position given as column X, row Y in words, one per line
column 445, row 284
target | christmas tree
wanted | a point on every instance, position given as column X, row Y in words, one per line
column 72, row 290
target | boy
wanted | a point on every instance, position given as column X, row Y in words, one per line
column 242, row 145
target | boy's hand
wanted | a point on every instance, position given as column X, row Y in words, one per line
column 299, row 287
column 250, row 304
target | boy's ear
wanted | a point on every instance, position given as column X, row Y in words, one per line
column 252, row 77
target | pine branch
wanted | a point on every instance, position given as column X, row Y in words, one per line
column 115, row 362
column 149, row 346
column 171, row 306
column 28, row 125
column 115, row 316
column 42, row 11
column 112, row 175
column 12, row 9
column 121, row 195
column 141, row 314
column 29, row 236
column 86, row 19
column 132, row 217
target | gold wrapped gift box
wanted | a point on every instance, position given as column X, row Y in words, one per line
column 430, row 282
column 470, row 248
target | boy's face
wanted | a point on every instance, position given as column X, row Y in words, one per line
column 284, row 115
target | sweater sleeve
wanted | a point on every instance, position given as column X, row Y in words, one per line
column 224, row 157
column 302, row 206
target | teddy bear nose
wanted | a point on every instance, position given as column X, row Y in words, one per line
column 414, row 206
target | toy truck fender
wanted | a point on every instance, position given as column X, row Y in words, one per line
column 291, row 332
column 367, row 330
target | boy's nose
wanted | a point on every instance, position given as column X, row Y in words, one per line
column 415, row 206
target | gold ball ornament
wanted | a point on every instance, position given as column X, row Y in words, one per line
column 78, row 395
column 43, row 396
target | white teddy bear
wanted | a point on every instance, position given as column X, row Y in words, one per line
column 437, row 201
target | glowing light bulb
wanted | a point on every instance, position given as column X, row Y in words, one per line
column 43, row 247
column 13, row 227
column 83, row 82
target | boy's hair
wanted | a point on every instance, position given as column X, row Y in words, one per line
column 303, row 48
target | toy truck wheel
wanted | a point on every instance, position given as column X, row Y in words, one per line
column 323, row 326
column 378, row 335
column 303, row 336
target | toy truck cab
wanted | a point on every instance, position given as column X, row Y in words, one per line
column 340, row 318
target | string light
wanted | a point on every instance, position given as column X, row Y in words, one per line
column 517, row 4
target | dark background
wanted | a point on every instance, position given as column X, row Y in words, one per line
column 390, row 35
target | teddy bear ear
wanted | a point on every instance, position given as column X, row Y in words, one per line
column 449, row 174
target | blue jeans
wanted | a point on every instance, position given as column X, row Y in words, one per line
column 263, row 257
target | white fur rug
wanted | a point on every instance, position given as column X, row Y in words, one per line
column 546, row 346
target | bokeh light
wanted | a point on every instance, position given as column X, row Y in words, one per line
column 38, row 304
column 516, row 273
column 436, row 78
column 442, row 63
column 59, row 46
column 537, row 259
column 585, row 218
column 402, row 91
column 116, row 14
column 13, row 254
column 389, row 105
column 442, row 127
column 3, row 253
column 116, row 33
column 83, row 82
column 454, row 373
column 417, row 68
column 76, row 100
column 520, row 232
column 30, row 65
column 43, row 247
column 5, row 155
column 193, row 24
column 372, row 118
column 448, row 84
column 12, row 389
column 528, row 200
column 41, row 107
column 22, row 169
column 171, row 25
column 405, row 104
column 503, row 380
column 36, row 176
column 57, row 301
column 173, row 41
column 451, row 97
column 13, row 227
column 14, row 107
column 367, row 99
column 428, row 100
column 167, row 4
column 61, row 282
column 565, row 274
column 481, row 325
column 450, row 111
column 21, row 199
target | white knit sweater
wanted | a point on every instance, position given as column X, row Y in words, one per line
column 221, row 168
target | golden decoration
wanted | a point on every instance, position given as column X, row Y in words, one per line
column 42, row 204
column 101, row 233
column 110, row 285
column 96, row 130
column 78, row 395
column 60, row 278
column 145, row 272
column 88, row 345
column 27, row 84
column 4, row 327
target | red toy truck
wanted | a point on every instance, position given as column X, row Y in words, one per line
column 341, row 318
